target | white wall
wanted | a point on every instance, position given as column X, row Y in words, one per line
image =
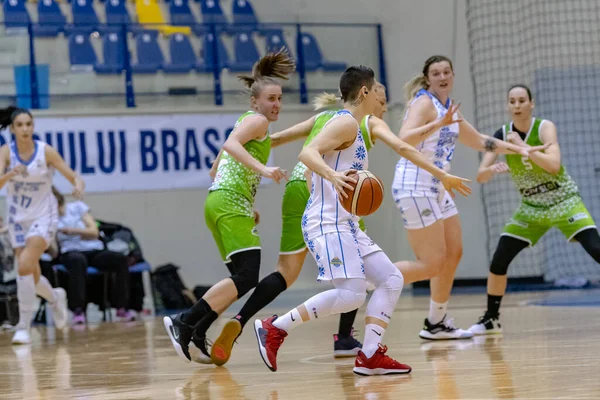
column 412, row 32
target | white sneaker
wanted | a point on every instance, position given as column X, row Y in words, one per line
column 486, row 326
column 443, row 330
column 59, row 308
column 21, row 336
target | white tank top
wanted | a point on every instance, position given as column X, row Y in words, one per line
column 324, row 213
column 438, row 148
column 29, row 195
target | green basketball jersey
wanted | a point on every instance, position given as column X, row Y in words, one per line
column 538, row 188
column 320, row 121
column 233, row 175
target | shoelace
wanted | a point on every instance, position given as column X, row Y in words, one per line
column 276, row 339
column 485, row 318
column 449, row 323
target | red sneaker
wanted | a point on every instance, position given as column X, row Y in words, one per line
column 379, row 364
column 269, row 338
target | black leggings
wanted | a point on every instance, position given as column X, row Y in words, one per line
column 104, row 260
column 509, row 247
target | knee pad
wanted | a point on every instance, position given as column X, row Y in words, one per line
column 499, row 266
column 247, row 268
column 245, row 280
column 507, row 250
column 394, row 282
column 348, row 300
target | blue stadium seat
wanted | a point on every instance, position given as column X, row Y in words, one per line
column 50, row 20
column 150, row 58
column 15, row 14
column 116, row 12
column 181, row 15
column 246, row 53
column 275, row 41
column 244, row 17
column 81, row 53
column 313, row 58
column 183, row 58
column 213, row 13
column 207, row 51
column 113, row 51
column 84, row 14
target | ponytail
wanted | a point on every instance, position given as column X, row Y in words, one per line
column 272, row 65
column 413, row 86
column 327, row 101
column 7, row 115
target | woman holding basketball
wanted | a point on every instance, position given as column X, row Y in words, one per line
column 28, row 168
column 344, row 254
column 229, row 211
column 433, row 124
column 292, row 247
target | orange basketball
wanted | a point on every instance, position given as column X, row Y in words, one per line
column 367, row 195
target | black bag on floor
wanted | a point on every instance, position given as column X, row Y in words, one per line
column 170, row 287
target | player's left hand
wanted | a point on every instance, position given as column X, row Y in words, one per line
column 515, row 138
column 459, row 184
column 256, row 217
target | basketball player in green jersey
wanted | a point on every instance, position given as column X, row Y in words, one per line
column 549, row 198
column 292, row 246
column 229, row 207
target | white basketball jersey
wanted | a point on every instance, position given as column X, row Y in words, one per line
column 438, row 148
column 324, row 213
column 29, row 195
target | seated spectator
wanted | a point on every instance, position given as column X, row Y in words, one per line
column 79, row 247
column 7, row 254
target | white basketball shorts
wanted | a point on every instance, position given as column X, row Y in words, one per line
column 340, row 255
column 44, row 227
column 420, row 212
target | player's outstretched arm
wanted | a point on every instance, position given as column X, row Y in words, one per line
column 253, row 127
column 337, row 134
column 380, row 130
column 55, row 159
column 293, row 133
column 550, row 159
column 470, row 137
column 421, row 121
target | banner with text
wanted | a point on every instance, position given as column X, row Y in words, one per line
column 128, row 153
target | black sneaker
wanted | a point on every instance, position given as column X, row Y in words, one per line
column 487, row 325
column 200, row 349
column 346, row 346
column 443, row 330
column 180, row 334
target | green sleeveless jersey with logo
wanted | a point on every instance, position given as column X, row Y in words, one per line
column 320, row 121
column 234, row 176
column 538, row 188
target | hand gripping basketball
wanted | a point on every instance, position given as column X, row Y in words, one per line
column 366, row 195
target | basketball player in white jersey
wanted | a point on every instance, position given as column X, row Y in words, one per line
column 344, row 254
column 433, row 125
column 27, row 166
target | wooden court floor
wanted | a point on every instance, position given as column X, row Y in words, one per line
column 544, row 353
